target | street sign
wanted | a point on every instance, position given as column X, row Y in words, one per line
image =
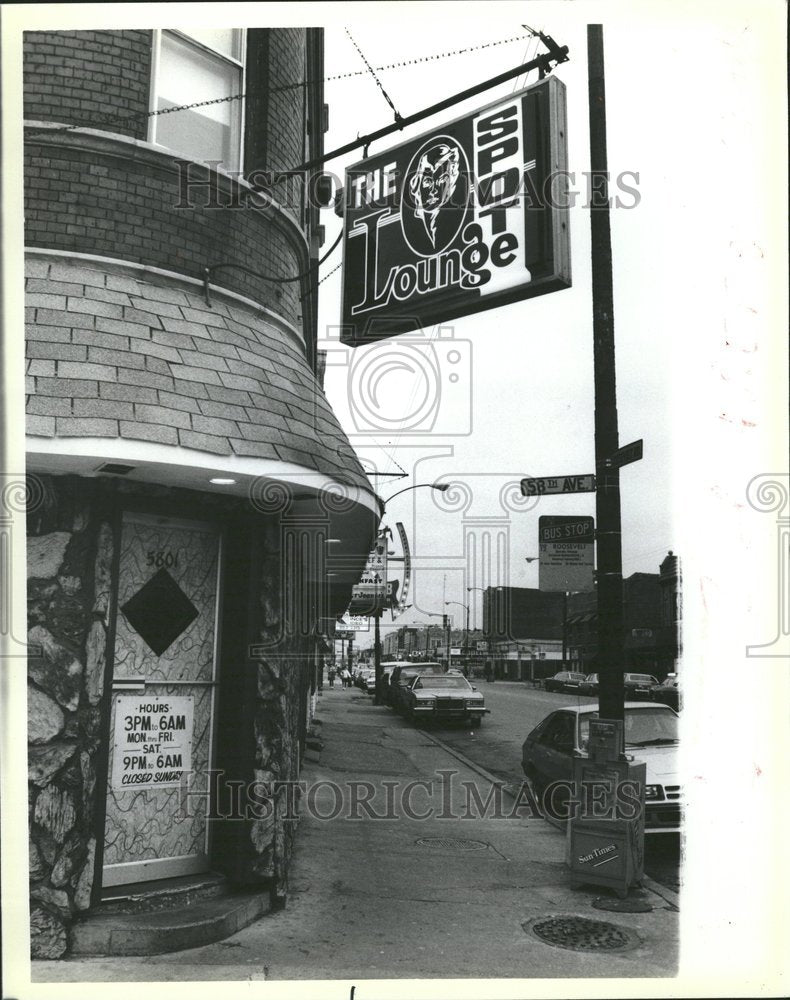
column 558, row 484
column 355, row 623
column 624, row 456
column 466, row 217
column 566, row 546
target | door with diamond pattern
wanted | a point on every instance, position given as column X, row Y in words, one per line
column 164, row 681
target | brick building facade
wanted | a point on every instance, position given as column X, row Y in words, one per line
column 527, row 629
column 185, row 469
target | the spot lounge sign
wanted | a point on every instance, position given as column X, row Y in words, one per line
column 470, row 216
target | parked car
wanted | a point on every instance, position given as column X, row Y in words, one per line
column 565, row 680
column 638, row 685
column 402, row 676
column 651, row 736
column 589, row 685
column 667, row 692
column 443, row 697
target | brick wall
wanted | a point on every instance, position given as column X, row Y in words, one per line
column 121, row 202
column 79, row 77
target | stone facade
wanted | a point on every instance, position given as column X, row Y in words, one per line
column 70, row 551
column 71, row 589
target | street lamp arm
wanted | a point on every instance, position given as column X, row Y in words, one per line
column 441, row 487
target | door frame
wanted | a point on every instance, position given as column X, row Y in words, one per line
column 140, row 510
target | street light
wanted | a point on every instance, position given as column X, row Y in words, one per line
column 465, row 656
column 439, row 487
column 486, row 646
column 445, row 624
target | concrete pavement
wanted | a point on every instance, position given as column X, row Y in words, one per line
column 407, row 897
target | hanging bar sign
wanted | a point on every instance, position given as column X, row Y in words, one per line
column 468, row 217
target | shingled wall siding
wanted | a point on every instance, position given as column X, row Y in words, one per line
column 113, row 355
column 92, row 195
column 98, row 79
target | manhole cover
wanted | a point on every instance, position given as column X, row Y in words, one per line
column 582, row 934
column 450, row 844
column 632, row 904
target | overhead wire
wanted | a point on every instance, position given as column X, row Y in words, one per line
column 372, row 72
column 402, row 64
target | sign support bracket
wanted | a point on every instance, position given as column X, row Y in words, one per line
column 557, row 54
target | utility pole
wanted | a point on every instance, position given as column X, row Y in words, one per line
column 377, row 657
column 466, row 644
column 607, row 495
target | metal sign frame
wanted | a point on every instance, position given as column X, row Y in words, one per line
column 466, row 217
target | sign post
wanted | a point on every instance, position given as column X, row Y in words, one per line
column 607, row 494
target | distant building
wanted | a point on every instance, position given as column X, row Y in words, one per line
column 651, row 622
column 531, row 633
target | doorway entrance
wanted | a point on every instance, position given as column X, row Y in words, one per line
column 163, row 700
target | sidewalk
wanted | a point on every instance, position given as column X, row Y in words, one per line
column 369, row 899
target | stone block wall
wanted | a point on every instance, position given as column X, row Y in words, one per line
column 71, row 545
column 69, row 559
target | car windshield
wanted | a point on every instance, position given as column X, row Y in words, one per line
column 592, row 678
column 642, row 678
column 645, row 727
column 576, row 677
column 446, row 681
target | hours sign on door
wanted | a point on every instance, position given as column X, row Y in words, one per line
column 152, row 741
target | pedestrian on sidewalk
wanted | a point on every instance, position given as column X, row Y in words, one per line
column 331, row 676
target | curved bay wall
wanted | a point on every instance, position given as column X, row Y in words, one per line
column 89, row 78
column 95, row 194
column 120, row 353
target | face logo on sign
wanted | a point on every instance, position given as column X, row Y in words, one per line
column 435, row 196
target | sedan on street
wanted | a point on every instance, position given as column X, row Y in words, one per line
column 437, row 697
column 638, row 685
column 667, row 692
column 403, row 675
column 565, row 680
column 651, row 736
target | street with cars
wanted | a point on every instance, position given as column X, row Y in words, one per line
column 532, row 733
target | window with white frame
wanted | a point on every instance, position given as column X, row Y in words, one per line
column 190, row 67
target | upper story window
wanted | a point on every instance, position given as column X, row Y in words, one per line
column 193, row 66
